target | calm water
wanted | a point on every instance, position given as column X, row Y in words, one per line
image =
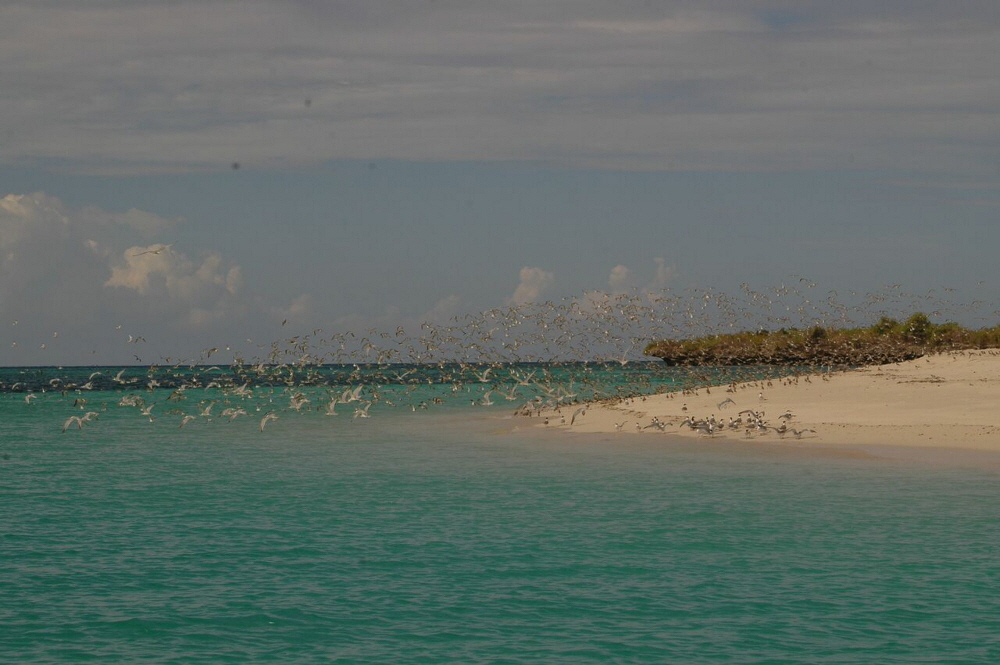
column 444, row 536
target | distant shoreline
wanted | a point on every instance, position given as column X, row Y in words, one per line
column 887, row 341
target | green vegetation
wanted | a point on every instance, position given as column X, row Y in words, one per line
column 887, row 341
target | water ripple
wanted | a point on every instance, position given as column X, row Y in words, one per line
column 444, row 546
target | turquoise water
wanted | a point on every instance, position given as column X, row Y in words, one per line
column 445, row 535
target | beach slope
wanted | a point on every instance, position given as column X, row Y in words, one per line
column 948, row 400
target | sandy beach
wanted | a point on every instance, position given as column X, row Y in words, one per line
column 949, row 400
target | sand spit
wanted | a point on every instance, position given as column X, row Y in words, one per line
column 949, row 400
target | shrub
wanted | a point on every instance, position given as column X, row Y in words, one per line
column 886, row 341
column 885, row 326
column 918, row 328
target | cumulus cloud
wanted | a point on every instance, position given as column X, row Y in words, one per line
column 24, row 215
column 63, row 268
column 534, row 283
column 205, row 290
column 621, row 278
column 47, row 262
column 159, row 270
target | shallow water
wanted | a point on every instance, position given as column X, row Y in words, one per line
column 443, row 536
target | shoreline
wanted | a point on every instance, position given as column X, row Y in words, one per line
column 949, row 400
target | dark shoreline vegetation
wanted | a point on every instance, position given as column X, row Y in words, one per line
column 887, row 341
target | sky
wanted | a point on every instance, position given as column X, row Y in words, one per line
column 186, row 174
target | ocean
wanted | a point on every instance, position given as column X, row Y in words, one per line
column 438, row 530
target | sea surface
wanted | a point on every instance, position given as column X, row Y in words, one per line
column 451, row 532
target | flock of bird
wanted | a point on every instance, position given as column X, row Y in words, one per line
column 532, row 359
column 750, row 421
column 754, row 423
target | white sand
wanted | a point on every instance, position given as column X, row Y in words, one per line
column 946, row 401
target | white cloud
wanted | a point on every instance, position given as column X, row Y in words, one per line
column 46, row 263
column 62, row 269
column 23, row 215
column 534, row 283
column 621, row 278
column 158, row 270
column 140, row 263
column 201, row 292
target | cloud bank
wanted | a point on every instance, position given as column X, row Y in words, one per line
column 734, row 85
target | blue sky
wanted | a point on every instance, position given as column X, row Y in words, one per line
column 409, row 161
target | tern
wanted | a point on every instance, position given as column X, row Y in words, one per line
column 268, row 417
column 232, row 413
column 331, row 408
column 351, row 395
column 79, row 420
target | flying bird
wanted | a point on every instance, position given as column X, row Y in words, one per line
column 271, row 415
column 153, row 249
